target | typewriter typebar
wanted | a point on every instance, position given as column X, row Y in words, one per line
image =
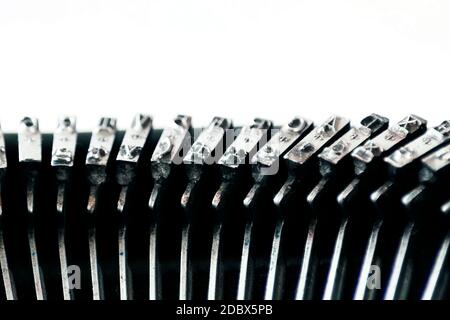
column 333, row 210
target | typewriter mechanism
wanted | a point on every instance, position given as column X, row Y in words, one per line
column 332, row 210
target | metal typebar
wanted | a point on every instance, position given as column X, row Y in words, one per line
column 331, row 162
column 266, row 167
column 63, row 155
column 30, row 155
column 266, row 164
column 399, row 161
column 371, row 170
column 165, row 161
column 127, row 160
column 97, row 162
column 368, row 168
column 200, row 157
column 7, row 276
column 235, row 172
column 302, row 160
column 439, row 273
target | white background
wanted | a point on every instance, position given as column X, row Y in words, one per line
column 238, row 59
